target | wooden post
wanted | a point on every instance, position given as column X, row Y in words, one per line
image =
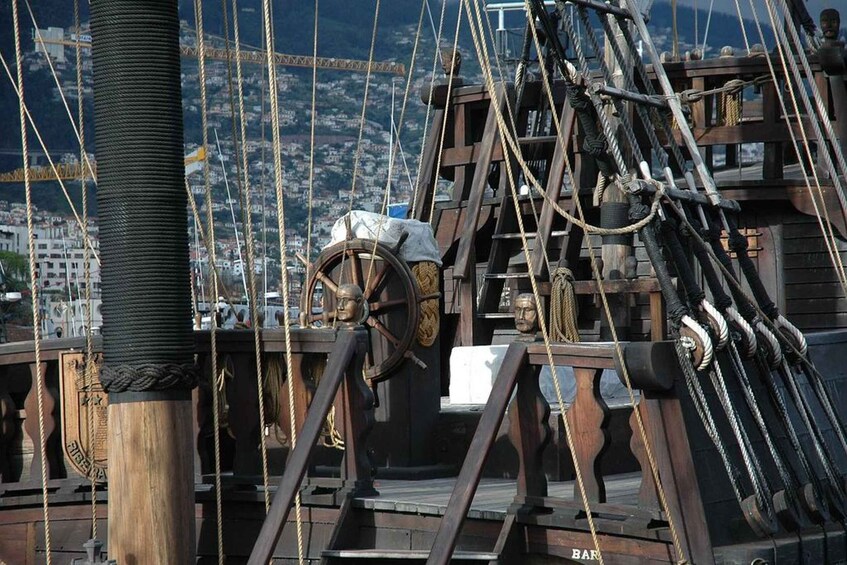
column 148, row 344
column 151, row 482
column 349, row 342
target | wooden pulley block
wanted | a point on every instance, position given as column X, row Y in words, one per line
column 759, row 521
column 699, row 350
column 787, row 512
column 815, row 508
column 391, row 294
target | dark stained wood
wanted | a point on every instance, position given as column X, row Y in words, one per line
column 553, row 189
column 427, row 175
column 647, row 493
column 773, row 165
column 462, row 267
column 530, row 433
column 670, row 444
column 31, row 425
column 588, row 418
column 346, row 347
column 471, row 472
column 355, row 404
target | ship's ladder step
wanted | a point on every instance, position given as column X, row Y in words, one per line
column 505, row 276
column 378, row 555
column 529, row 235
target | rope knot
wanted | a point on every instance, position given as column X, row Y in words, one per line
column 690, row 96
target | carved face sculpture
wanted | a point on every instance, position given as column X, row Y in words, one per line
column 451, row 61
column 349, row 303
column 526, row 314
column 830, row 23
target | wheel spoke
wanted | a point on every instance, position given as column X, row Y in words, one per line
column 321, row 317
column 327, row 282
column 386, row 304
column 355, row 268
column 378, row 326
column 377, row 281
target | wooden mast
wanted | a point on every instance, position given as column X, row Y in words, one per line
column 614, row 212
column 148, row 349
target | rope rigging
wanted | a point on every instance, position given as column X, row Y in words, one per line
column 482, row 56
column 280, row 215
column 213, row 282
column 38, row 375
column 89, row 367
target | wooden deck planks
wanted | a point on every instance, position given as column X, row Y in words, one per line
column 492, row 496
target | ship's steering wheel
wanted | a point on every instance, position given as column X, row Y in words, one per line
column 391, row 292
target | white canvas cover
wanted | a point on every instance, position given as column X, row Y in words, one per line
column 419, row 246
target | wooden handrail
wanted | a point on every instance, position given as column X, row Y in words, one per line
column 295, row 470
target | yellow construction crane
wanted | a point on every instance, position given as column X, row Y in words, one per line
column 73, row 171
column 258, row 57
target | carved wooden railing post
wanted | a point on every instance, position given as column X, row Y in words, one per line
column 647, row 495
column 356, row 404
column 7, row 432
column 529, row 430
column 588, row 418
column 338, row 365
column 243, row 418
column 31, row 424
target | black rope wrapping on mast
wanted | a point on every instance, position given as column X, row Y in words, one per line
column 141, row 197
column 720, row 298
column 712, row 235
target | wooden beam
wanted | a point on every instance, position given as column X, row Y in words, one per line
column 462, row 268
column 299, row 458
column 553, row 189
column 486, row 432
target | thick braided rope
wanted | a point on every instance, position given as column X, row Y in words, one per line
column 482, row 56
column 427, row 274
column 435, row 56
column 563, row 307
column 88, row 378
column 36, row 314
column 149, row 376
column 210, row 249
column 654, row 469
column 251, row 250
column 280, row 218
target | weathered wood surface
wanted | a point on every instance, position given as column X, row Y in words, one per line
column 157, row 518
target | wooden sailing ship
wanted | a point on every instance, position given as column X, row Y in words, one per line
column 730, row 449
